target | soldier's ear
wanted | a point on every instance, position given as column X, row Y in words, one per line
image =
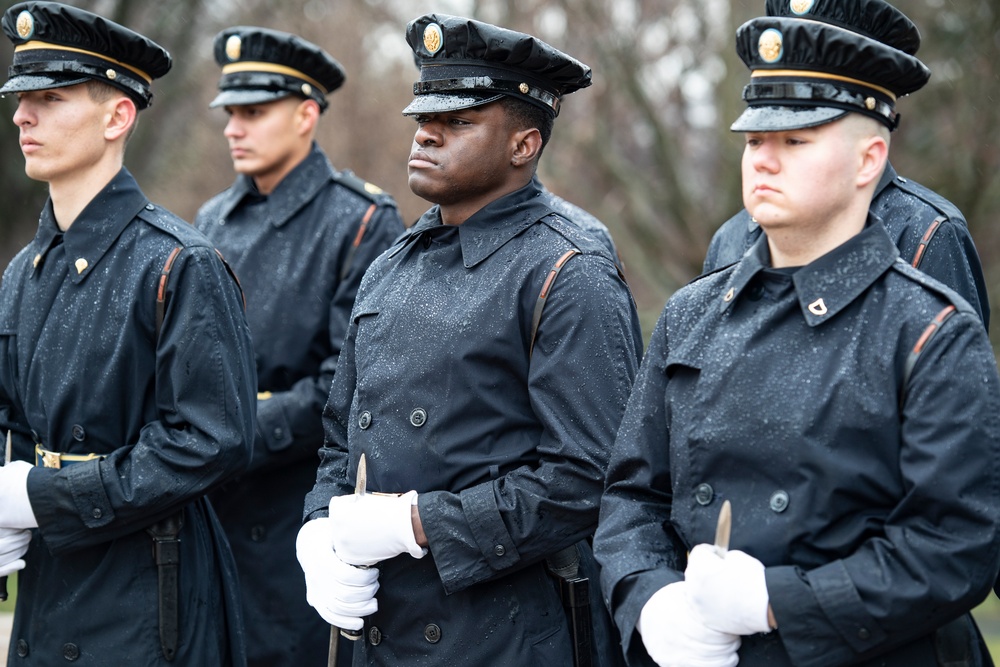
column 527, row 145
column 120, row 117
column 874, row 154
column 307, row 115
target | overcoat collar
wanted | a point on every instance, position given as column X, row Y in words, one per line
column 295, row 190
column 96, row 228
column 492, row 226
column 830, row 283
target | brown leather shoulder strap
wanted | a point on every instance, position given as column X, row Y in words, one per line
column 536, row 317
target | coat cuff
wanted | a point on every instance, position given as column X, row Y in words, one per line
column 821, row 618
column 273, row 426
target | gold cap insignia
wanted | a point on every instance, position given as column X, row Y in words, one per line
column 234, row 46
column 373, row 189
column 25, row 25
column 433, row 38
column 524, row 88
column 817, row 307
column 81, row 265
column 870, row 103
column 263, row 395
column 111, row 74
column 801, row 6
column 729, row 295
column 307, row 89
column 769, row 46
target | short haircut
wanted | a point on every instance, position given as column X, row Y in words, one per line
column 524, row 115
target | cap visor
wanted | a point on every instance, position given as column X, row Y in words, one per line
column 243, row 97
column 439, row 103
column 28, row 82
column 779, row 118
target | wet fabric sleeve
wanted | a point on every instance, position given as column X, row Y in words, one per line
column 289, row 423
column 915, row 574
column 580, row 374
column 204, row 397
column 638, row 551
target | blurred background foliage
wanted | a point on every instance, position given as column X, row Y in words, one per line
column 647, row 148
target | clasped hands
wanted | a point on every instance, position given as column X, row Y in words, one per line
column 336, row 553
column 698, row 622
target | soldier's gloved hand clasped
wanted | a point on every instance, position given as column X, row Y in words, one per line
column 728, row 591
column 341, row 593
column 13, row 545
column 674, row 636
column 374, row 527
column 15, row 508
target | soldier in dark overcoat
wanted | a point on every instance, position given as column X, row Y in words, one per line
column 930, row 231
column 844, row 403
column 126, row 375
column 299, row 235
column 483, row 377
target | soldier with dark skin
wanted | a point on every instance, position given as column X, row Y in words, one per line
column 930, row 232
column 299, row 234
column 845, row 404
column 126, row 375
column 486, row 438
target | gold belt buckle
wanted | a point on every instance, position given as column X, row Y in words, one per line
column 47, row 459
column 56, row 460
column 51, row 459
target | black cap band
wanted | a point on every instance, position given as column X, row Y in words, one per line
column 814, row 93
column 35, row 59
column 487, row 84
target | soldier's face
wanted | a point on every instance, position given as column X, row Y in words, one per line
column 799, row 178
column 62, row 132
column 268, row 139
column 462, row 157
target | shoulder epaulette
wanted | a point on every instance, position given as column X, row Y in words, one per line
column 944, row 207
column 367, row 190
column 933, row 285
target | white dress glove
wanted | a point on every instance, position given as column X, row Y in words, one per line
column 13, row 545
column 728, row 591
column 374, row 527
column 675, row 637
column 15, row 508
column 341, row 593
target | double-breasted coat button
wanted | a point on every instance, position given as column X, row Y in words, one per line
column 863, row 633
column 432, row 633
column 97, row 513
column 365, row 420
column 78, row 433
column 22, row 648
column 257, row 533
column 279, row 433
column 779, row 501
column 499, row 550
column 703, row 494
column 418, row 417
column 71, row 652
column 374, row 636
